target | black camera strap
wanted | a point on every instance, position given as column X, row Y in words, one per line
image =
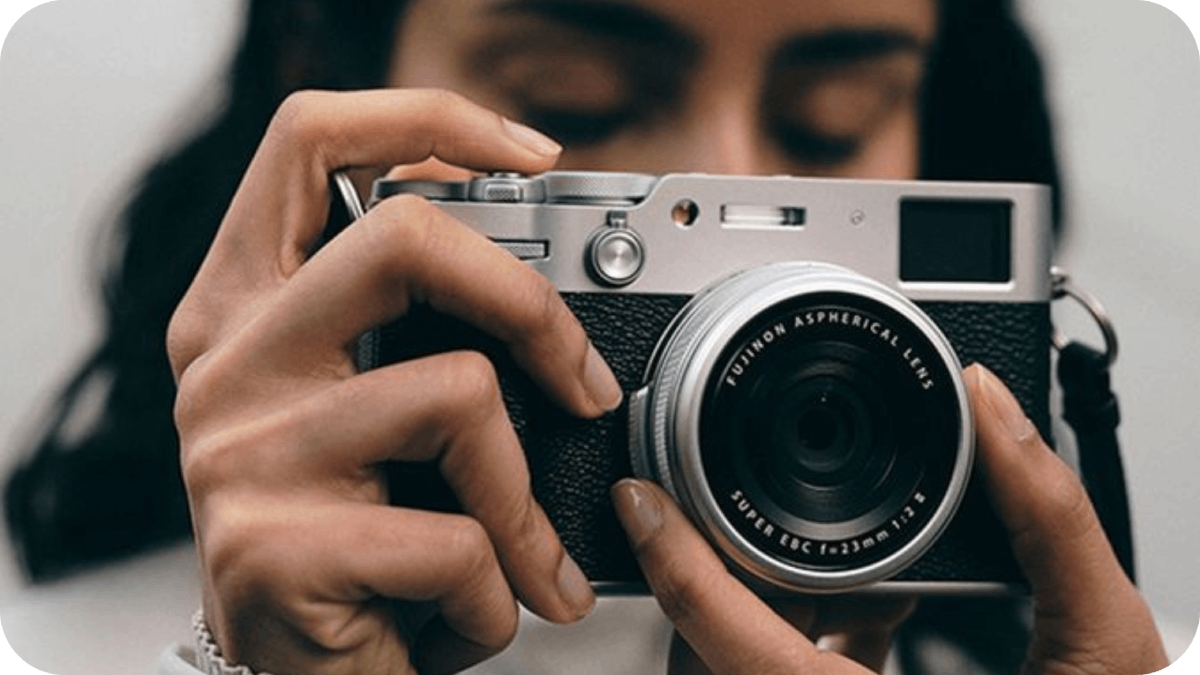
column 1090, row 409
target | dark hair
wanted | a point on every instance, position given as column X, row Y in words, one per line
column 114, row 487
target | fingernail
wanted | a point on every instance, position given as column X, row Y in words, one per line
column 637, row 508
column 601, row 384
column 535, row 141
column 574, row 587
column 1004, row 406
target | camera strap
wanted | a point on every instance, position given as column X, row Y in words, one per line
column 1090, row 408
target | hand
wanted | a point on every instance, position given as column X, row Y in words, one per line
column 1089, row 618
column 306, row 568
column 725, row 628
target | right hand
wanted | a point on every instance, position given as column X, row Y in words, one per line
column 1088, row 616
column 306, row 568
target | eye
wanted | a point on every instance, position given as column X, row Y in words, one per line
column 826, row 116
column 809, row 146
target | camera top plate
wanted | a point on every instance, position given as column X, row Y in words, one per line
column 691, row 229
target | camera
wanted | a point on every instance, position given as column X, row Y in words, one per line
column 791, row 353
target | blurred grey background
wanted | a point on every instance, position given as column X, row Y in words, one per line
column 92, row 89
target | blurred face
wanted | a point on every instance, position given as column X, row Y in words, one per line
column 801, row 87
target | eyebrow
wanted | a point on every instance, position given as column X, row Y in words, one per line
column 841, row 46
column 609, row 20
column 629, row 22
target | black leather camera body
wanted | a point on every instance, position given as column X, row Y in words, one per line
column 791, row 352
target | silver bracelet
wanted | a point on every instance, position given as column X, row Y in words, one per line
column 208, row 655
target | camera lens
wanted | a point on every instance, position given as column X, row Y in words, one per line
column 817, row 439
column 813, row 422
column 828, row 431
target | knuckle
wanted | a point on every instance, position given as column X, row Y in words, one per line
column 469, row 538
column 202, row 390
column 208, row 461
column 294, row 120
column 185, row 339
column 236, row 551
column 402, row 207
column 194, row 394
column 331, row 631
column 399, row 231
column 475, row 384
column 225, row 457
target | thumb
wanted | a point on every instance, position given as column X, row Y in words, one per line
column 729, row 628
column 1084, row 603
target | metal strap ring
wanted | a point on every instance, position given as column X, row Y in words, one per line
column 1062, row 286
column 349, row 195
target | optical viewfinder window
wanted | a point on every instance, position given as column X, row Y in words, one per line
column 955, row 240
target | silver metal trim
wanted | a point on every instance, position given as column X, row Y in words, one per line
column 674, row 400
column 602, row 266
column 349, row 195
column 907, row 588
column 975, row 588
column 597, row 187
column 1064, row 287
column 851, row 223
column 526, row 250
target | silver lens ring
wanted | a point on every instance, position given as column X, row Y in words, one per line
column 686, row 361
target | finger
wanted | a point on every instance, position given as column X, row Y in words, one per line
column 867, row 648
column 446, row 408
column 861, row 627
column 729, row 628
column 449, row 408
column 416, row 555
column 342, row 558
column 1056, row 536
column 432, row 169
column 407, row 250
column 857, row 627
column 439, row 649
column 281, row 206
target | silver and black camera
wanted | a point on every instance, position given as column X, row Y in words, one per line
column 791, row 353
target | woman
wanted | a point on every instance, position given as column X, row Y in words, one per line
column 859, row 90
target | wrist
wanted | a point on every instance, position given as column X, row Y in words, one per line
column 209, row 658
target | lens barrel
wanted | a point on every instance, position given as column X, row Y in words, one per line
column 813, row 423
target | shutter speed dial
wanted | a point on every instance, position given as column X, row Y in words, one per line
column 555, row 187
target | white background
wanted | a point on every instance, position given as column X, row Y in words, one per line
column 90, row 89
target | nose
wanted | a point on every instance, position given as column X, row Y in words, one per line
column 724, row 133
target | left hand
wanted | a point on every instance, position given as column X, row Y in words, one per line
column 725, row 628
